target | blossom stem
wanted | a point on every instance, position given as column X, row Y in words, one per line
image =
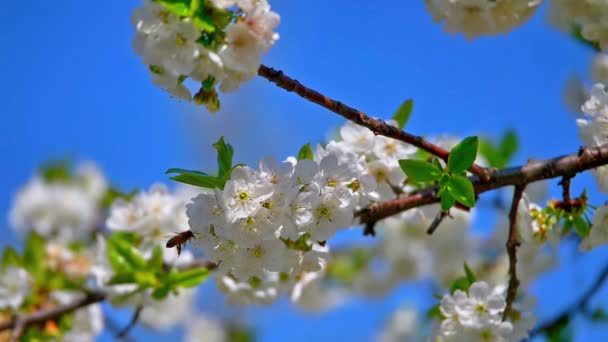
column 377, row 126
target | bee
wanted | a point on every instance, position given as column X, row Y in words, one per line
column 179, row 240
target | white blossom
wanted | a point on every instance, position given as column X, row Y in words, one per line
column 598, row 235
column 476, row 316
column 15, row 285
column 205, row 328
column 475, row 18
column 588, row 16
column 60, row 210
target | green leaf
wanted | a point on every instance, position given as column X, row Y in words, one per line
column 120, row 299
column 461, row 189
column 463, row 155
column 461, row 283
column 128, row 252
column 185, row 171
column 10, row 257
column 560, row 331
column 419, row 170
column 191, row 278
column 490, row 153
column 161, row 292
column 34, row 255
column 402, row 115
column 117, row 261
column 469, row 274
column 179, row 7
column 305, row 153
column 577, row 33
column 508, row 147
column 156, row 261
column 57, row 171
column 435, row 313
column 447, row 201
column 581, row 226
column 122, row 278
column 195, row 178
column 225, row 153
column 599, row 315
column 437, row 163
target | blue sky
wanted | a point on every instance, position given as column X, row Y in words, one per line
column 72, row 86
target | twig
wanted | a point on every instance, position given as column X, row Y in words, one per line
column 512, row 244
column 580, row 305
column 124, row 333
column 586, row 159
column 20, row 323
column 115, row 328
column 565, row 183
column 377, row 126
column 370, row 228
column 437, row 221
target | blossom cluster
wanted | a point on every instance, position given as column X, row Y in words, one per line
column 476, row 315
column 587, row 17
column 276, row 218
column 64, row 209
column 223, row 46
column 475, row 18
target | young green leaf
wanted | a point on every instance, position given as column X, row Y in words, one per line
column 463, row 155
column 508, row 147
column 470, row 275
column 402, row 115
column 447, row 201
column 122, row 278
column 462, row 190
column 461, row 283
column 178, row 7
column 435, row 313
column 34, row 255
column 191, row 278
column 10, row 257
column 581, row 226
column 128, row 252
column 195, row 178
column 419, row 170
column 305, row 153
column 155, row 263
column 225, row 153
column 161, row 292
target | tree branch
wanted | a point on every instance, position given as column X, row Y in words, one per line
column 512, row 244
column 578, row 306
column 20, row 323
column 586, row 159
column 124, row 333
column 378, row 127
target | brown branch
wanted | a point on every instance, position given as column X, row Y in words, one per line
column 20, row 323
column 579, row 306
column 565, row 183
column 437, row 221
column 378, row 127
column 586, row 159
column 512, row 244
